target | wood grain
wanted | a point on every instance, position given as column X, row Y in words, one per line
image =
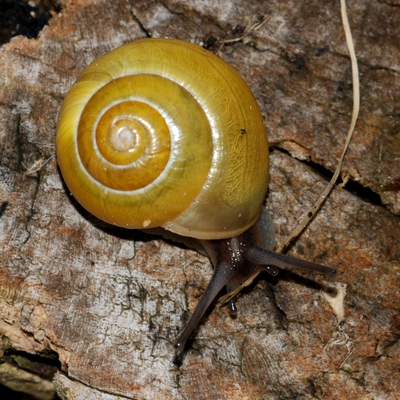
column 105, row 304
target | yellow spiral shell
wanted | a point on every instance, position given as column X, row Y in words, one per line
column 161, row 132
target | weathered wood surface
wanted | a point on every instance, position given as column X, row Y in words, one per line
column 108, row 303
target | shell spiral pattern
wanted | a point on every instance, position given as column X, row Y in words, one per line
column 160, row 132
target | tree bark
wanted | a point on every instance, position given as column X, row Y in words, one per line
column 101, row 306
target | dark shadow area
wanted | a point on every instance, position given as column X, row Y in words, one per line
column 351, row 186
column 6, row 393
column 19, row 17
column 43, row 365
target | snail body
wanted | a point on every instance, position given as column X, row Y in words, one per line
column 162, row 133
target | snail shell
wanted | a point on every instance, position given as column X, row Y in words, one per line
column 162, row 133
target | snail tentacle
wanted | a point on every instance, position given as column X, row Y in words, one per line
column 235, row 261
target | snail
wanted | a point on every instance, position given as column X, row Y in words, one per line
column 162, row 133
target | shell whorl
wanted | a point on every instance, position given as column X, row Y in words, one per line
column 160, row 132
